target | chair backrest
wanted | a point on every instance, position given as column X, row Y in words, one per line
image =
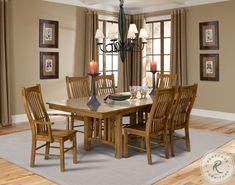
column 78, row 87
column 35, row 109
column 184, row 103
column 105, row 85
column 165, row 81
column 160, row 110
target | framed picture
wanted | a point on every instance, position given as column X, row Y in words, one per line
column 49, row 65
column 209, row 67
column 209, row 35
column 48, row 33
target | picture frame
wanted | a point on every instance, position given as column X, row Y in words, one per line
column 48, row 33
column 209, row 67
column 49, row 65
column 209, row 35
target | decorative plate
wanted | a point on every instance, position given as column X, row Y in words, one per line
column 119, row 97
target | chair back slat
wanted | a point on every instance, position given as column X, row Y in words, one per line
column 160, row 109
column 165, row 81
column 183, row 106
column 35, row 109
column 105, row 85
column 78, row 87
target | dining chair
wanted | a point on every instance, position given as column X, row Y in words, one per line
column 105, row 84
column 77, row 87
column 166, row 81
column 41, row 127
column 181, row 113
column 156, row 125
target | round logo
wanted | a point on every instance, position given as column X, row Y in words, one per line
column 217, row 167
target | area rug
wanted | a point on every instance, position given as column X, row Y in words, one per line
column 99, row 167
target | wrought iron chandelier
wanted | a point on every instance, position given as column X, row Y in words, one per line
column 121, row 44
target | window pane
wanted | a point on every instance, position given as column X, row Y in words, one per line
column 149, row 29
column 100, row 62
column 115, row 62
column 149, row 79
column 158, row 60
column 167, row 28
column 100, row 52
column 156, row 30
column 148, row 60
column 149, row 47
column 167, row 63
column 115, row 78
column 108, row 62
column 157, row 46
column 167, row 46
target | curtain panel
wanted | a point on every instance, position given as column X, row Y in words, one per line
column 178, row 46
column 91, row 49
column 4, row 65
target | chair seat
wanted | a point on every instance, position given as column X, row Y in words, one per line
column 62, row 134
column 138, row 129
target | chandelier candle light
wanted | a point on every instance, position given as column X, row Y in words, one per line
column 93, row 102
column 153, row 70
column 118, row 42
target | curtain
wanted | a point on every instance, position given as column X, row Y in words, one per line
column 137, row 56
column 178, row 45
column 4, row 81
column 91, row 49
column 127, row 64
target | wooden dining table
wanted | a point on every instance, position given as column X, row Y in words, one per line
column 112, row 110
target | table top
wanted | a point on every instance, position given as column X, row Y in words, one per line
column 105, row 109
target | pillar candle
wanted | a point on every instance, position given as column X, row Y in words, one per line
column 153, row 66
column 93, row 67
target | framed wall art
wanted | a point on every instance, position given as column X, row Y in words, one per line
column 209, row 67
column 48, row 33
column 209, row 35
column 49, row 65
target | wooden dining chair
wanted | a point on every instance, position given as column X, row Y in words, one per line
column 181, row 114
column 41, row 127
column 156, row 125
column 77, row 87
column 105, row 84
column 165, row 81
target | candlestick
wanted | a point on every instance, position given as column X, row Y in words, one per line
column 152, row 92
column 93, row 102
column 93, row 67
column 153, row 66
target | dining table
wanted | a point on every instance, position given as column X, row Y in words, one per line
column 108, row 109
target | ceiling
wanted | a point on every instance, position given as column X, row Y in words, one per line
column 135, row 6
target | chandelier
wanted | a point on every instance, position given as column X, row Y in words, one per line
column 120, row 44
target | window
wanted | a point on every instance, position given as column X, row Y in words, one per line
column 108, row 62
column 157, row 49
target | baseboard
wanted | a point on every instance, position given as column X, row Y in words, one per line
column 20, row 118
column 197, row 112
column 214, row 114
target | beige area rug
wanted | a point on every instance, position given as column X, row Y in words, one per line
column 99, row 167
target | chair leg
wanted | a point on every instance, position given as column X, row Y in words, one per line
column 75, row 149
column 47, row 150
column 187, row 139
column 172, row 143
column 142, row 144
column 61, row 155
column 165, row 142
column 67, row 127
column 125, row 143
column 72, row 122
column 33, row 153
column 148, row 148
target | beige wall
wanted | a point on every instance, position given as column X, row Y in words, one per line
column 217, row 96
column 24, row 67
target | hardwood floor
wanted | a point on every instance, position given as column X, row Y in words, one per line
column 190, row 175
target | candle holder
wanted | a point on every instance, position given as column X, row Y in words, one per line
column 93, row 102
column 152, row 92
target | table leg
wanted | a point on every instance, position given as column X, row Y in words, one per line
column 87, row 132
column 118, row 137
